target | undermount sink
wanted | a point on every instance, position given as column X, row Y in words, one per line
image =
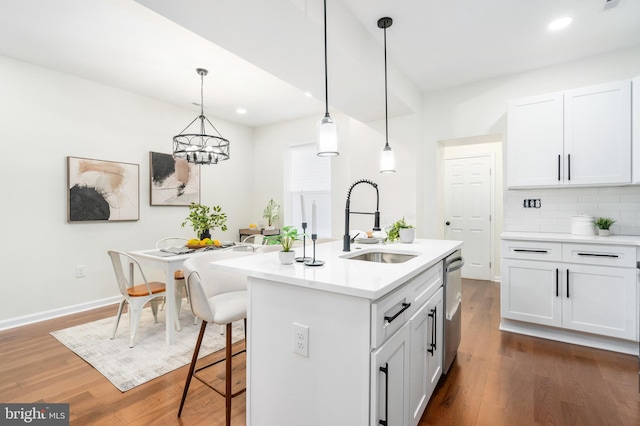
column 383, row 257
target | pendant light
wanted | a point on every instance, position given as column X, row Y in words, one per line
column 387, row 157
column 199, row 147
column 327, row 128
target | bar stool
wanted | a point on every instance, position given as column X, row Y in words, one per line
column 221, row 298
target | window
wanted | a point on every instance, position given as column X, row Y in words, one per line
column 309, row 175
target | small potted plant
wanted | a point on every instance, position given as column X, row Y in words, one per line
column 288, row 235
column 271, row 213
column 402, row 231
column 603, row 224
column 203, row 219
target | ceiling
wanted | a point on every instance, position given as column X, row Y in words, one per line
column 263, row 55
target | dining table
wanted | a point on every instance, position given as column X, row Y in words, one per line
column 171, row 260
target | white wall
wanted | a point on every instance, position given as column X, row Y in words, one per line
column 47, row 116
column 360, row 146
column 480, row 109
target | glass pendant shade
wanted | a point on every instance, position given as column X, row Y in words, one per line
column 327, row 137
column 387, row 160
column 327, row 128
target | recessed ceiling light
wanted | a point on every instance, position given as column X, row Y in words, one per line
column 241, row 111
column 559, row 24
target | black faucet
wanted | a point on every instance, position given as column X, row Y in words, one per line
column 376, row 222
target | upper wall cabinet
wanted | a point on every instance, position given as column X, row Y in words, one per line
column 578, row 137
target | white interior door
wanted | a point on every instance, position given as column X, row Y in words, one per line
column 467, row 211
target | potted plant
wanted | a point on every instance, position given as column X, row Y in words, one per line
column 603, row 224
column 203, row 219
column 402, row 231
column 288, row 235
column 271, row 213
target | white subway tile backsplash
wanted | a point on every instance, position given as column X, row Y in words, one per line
column 630, row 198
column 560, row 204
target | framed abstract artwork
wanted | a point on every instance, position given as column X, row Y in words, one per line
column 99, row 190
column 173, row 181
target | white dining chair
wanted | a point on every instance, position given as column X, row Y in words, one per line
column 221, row 298
column 136, row 295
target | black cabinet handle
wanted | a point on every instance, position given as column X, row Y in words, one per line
column 598, row 255
column 405, row 306
column 569, row 166
column 385, row 370
column 433, row 314
column 447, row 223
column 530, row 251
column 557, row 292
column 559, row 167
column 567, row 283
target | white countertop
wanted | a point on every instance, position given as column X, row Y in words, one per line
column 358, row 278
column 621, row 240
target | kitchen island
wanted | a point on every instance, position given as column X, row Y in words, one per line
column 332, row 344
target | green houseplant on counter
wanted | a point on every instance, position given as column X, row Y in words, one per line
column 204, row 218
column 402, row 231
column 271, row 213
column 603, row 224
column 288, row 235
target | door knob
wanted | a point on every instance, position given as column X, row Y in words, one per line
column 447, row 223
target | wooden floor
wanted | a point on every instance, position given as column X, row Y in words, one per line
column 498, row 378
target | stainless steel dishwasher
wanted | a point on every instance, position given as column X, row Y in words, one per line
column 453, row 307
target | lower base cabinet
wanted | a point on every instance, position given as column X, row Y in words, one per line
column 425, row 354
column 390, row 380
column 406, row 368
column 588, row 288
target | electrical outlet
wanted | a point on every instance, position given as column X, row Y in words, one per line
column 532, row 203
column 301, row 339
column 80, row 271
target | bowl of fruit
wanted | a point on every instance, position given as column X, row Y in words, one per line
column 195, row 243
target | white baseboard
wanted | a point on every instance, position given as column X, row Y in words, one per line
column 569, row 336
column 56, row 313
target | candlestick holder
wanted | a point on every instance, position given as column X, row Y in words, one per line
column 304, row 257
column 314, row 262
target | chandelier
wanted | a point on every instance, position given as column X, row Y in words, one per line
column 197, row 146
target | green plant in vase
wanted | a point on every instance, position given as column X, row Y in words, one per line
column 203, row 219
column 603, row 224
column 393, row 234
column 271, row 213
column 288, row 235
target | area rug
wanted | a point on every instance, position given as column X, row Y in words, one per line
column 127, row 367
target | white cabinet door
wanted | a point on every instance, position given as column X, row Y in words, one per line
column 426, row 354
column 535, row 141
column 436, row 317
column 531, row 291
column 635, row 128
column 597, row 134
column 600, row 300
column 390, row 380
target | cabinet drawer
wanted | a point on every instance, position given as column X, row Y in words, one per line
column 390, row 313
column 532, row 250
column 425, row 285
column 596, row 254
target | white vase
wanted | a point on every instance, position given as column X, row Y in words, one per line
column 287, row 257
column 407, row 235
column 604, row 232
